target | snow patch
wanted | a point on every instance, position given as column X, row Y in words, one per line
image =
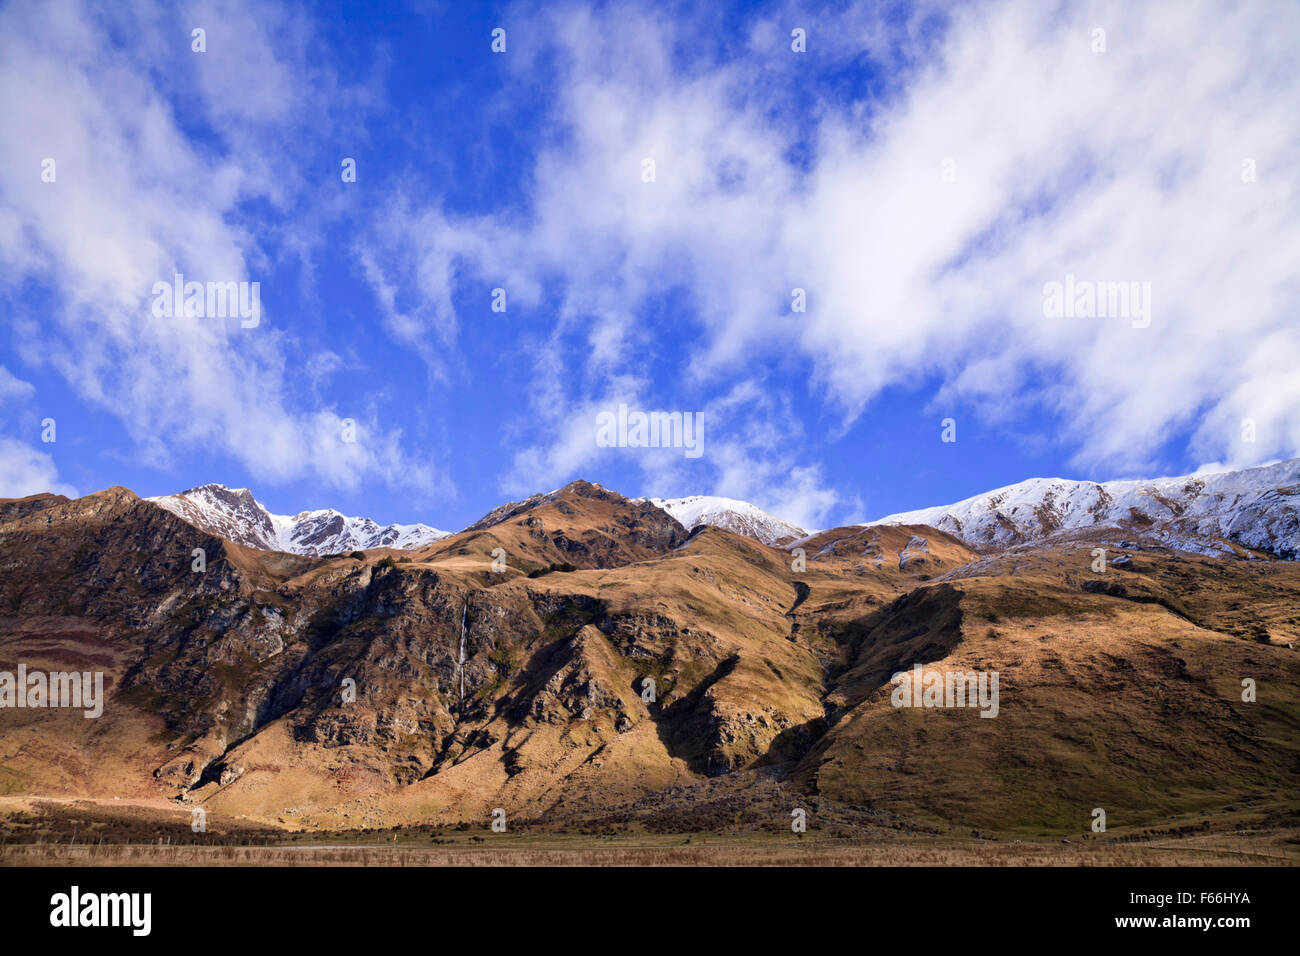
column 1255, row 508
column 731, row 514
column 234, row 514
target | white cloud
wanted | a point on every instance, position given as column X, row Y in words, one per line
column 1122, row 165
column 140, row 196
column 25, row 471
column 13, row 389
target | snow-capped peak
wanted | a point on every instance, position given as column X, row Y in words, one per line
column 234, row 514
column 731, row 514
column 1255, row 507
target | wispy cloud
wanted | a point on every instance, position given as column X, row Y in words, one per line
column 165, row 171
column 1001, row 151
column 24, row 469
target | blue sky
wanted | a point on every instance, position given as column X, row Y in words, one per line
column 920, row 171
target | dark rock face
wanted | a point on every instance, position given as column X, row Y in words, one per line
column 1110, row 588
column 14, row 508
column 109, row 557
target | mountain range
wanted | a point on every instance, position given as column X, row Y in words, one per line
column 1222, row 513
column 587, row 661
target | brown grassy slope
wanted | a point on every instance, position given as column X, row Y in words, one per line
column 1112, row 702
column 582, row 525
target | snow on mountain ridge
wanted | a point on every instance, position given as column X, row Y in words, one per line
column 234, row 514
column 731, row 514
column 1255, row 507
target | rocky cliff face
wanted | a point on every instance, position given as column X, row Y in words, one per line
column 364, row 657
